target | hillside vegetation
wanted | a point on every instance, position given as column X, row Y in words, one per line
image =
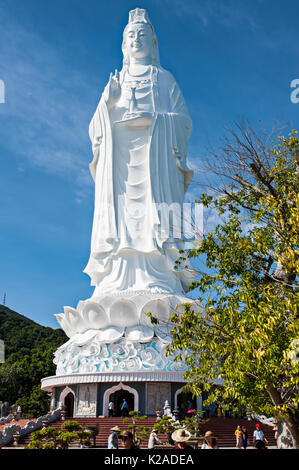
column 29, row 349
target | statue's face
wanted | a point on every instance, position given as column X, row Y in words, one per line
column 139, row 41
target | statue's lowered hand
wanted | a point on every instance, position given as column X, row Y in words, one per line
column 112, row 90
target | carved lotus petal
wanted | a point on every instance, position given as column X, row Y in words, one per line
column 94, row 316
column 65, row 325
column 80, row 305
column 140, row 333
column 110, row 334
column 123, row 313
column 75, row 320
column 158, row 308
column 81, row 339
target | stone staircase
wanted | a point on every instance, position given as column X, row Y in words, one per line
column 223, row 429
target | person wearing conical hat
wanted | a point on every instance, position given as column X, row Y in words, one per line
column 113, row 438
column 180, row 437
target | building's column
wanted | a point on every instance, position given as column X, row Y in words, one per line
column 52, row 405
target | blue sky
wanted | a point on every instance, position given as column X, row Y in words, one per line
column 231, row 58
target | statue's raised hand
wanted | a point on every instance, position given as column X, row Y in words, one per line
column 113, row 89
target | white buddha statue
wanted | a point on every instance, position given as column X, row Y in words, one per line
column 139, row 136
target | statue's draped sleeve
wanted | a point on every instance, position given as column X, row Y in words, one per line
column 171, row 130
column 174, row 116
column 96, row 137
column 101, row 169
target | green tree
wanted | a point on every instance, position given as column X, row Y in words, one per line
column 167, row 425
column 139, row 432
column 29, row 350
column 36, row 404
column 194, row 423
column 10, row 376
column 248, row 326
column 52, row 438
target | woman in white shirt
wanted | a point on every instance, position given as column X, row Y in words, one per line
column 258, row 435
column 153, row 440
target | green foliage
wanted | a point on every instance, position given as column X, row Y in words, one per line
column 194, row 423
column 246, row 331
column 71, row 426
column 29, row 350
column 140, row 433
column 36, row 404
column 166, row 425
column 52, row 438
column 22, row 335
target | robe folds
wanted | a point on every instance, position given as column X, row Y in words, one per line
column 142, row 171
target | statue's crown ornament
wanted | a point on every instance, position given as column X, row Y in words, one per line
column 139, row 15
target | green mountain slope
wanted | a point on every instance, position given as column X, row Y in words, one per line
column 29, row 349
column 22, row 335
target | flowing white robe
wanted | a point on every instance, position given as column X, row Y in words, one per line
column 146, row 167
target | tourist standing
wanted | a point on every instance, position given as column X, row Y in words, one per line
column 258, row 435
column 153, row 440
column 110, row 409
column 113, row 438
column 239, row 437
column 124, row 408
column 245, row 437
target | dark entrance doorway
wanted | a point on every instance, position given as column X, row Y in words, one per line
column 185, row 402
column 69, row 405
column 117, row 399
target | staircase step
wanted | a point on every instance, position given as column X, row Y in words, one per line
column 223, row 429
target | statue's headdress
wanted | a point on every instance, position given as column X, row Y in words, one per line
column 139, row 15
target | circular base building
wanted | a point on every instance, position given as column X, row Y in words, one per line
column 97, row 366
column 88, row 395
